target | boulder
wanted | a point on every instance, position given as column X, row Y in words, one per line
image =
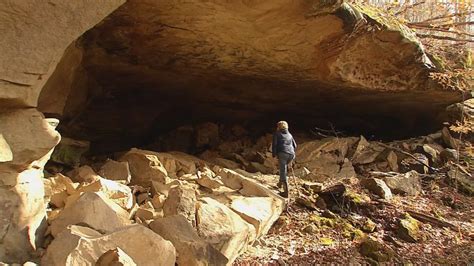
column 376, row 250
column 313, row 186
column 158, row 201
column 115, row 257
column 405, row 184
column 145, row 212
column 392, row 160
column 365, row 152
column 449, row 155
column 419, row 165
column 223, row 228
column 261, row 212
column 58, row 188
column 118, row 193
column 378, row 187
column 118, row 171
column 181, row 200
column 70, row 151
column 145, row 167
column 78, row 245
column 22, row 217
column 191, row 249
column 208, row 179
column 83, row 174
column 409, row 229
column 94, row 210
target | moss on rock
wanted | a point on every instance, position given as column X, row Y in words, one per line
column 409, row 229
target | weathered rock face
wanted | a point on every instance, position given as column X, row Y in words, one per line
column 244, row 60
column 35, row 35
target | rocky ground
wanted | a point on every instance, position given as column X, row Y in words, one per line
column 352, row 201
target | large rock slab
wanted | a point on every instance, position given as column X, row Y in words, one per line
column 118, row 193
column 191, row 249
column 223, row 228
column 79, row 245
column 22, row 219
column 378, row 187
column 113, row 170
column 405, row 184
column 94, row 210
column 261, row 212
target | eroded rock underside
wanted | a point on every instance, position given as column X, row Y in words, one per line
column 121, row 74
column 152, row 66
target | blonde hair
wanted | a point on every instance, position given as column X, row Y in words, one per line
column 282, row 125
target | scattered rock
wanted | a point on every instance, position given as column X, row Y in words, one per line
column 208, row 179
column 313, row 186
column 261, row 212
column 419, row 165
column 461, row 181
column 405, row 184
column 191, row 249
column 181, row 200
column 223, row 228
column 70, row 151
column 145, row 167
column 432, row 153
column 302, row 172
column 449, row 155
column 83, row 174
column 145, row 212
column 58, row 188
column 307, row 202
column 368, row 226
column 366, row 152
column 392, row 160
column 409, row 229
column 79, row 245
column 377, row 186
column 118, row 171
column 115, row 257
column 376, row 250
column 119, row 193
column 158, row 201
column 311, row 229
column 94, row 210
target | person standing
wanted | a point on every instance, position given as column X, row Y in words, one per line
column 283, row 147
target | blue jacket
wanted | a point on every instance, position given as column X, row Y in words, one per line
column 283, row 142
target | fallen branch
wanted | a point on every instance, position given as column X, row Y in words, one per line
column 434, row 28
column 408, row 8
column 445, row 16
column 443, row 38
column 430, row 219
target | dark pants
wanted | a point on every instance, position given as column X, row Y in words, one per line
column 283, row 160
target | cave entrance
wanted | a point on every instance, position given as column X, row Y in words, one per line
column 134, row 78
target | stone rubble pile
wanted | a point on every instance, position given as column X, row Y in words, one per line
column 149, row 208
column 207, row 210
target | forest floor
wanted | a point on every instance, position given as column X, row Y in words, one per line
column 292, row 241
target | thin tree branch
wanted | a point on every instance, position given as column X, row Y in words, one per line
column 409, row 7
column 443, row 38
